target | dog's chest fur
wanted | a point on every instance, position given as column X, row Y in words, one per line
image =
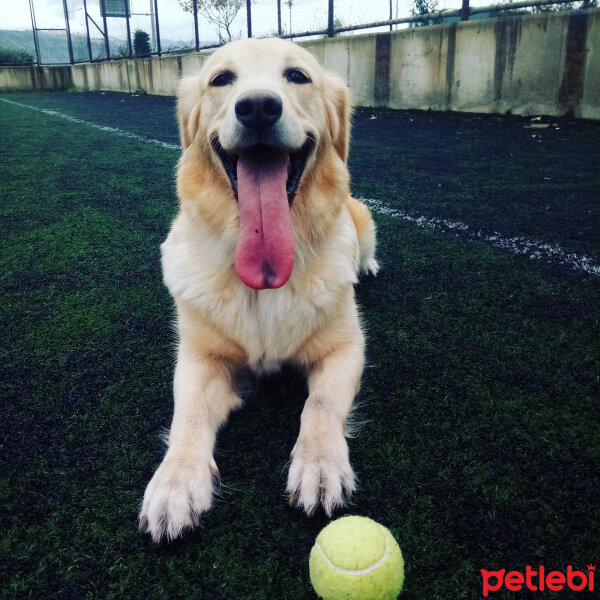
column 270, row 325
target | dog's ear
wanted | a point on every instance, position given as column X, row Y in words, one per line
column 339, row 111
column 188, row 109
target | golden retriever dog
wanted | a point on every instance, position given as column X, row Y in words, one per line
column 261, row 262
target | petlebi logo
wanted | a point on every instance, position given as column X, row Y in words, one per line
column 538, row 580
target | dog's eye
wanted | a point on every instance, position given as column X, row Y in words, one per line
column 296, row 76
column 223, row 78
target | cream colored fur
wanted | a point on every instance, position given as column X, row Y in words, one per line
column 223, row 325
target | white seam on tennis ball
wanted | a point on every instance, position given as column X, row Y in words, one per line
column 357, row 571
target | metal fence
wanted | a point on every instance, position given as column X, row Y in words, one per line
column 75, row 31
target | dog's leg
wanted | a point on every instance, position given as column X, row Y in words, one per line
column 320, row 471
column 365, row 229
column 181, row 489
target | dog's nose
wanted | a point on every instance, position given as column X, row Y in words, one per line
column 258, row 109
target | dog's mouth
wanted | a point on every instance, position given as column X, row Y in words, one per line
column 296, row 162
column 265, row 180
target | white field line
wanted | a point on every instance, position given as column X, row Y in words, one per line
column 119, row 132
column 516, row 245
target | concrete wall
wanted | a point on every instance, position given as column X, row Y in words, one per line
column 14, row 79
column 525, row 64
column 152, row 75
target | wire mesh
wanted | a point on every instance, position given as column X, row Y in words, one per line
column 53, row 47
column 95, row 26
column 169, row 25
column 356, row 12
column 176, row 21
column 116, row 30
column 265, row 20
column 300, row 16
column 77, row 26
column 142, row 19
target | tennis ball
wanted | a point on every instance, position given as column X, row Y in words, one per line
column 355, row 558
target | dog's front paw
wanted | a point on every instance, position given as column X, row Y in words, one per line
column 369, row 266
column 320, row 474
column 176, row 497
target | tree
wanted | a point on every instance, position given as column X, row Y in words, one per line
column 422, row 8
column 15, row 56
column 220, row 12
column 583, row 5
column 141, row 43
column 337, row 23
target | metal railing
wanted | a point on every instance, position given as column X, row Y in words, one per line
column 100, row 30
column 464, row 13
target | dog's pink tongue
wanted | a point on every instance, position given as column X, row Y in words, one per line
column 264, row 255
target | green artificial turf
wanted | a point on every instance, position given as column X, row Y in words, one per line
column 479, row 437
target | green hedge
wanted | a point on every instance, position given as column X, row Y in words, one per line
column 15, row 56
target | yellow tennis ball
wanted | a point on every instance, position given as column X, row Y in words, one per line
column 356, row 558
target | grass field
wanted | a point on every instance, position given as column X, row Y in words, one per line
column 480, row 438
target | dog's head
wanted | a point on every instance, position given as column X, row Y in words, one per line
column 263, row 115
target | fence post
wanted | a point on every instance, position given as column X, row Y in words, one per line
column 127, row 17
column 68, row 30
column 106, row 43
column 330, row 19
column 465, row 10
column 279, row 17
column 249, row 15
column 157, row 27
column 87, row 29
column 36, row 42
column 195, row 7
